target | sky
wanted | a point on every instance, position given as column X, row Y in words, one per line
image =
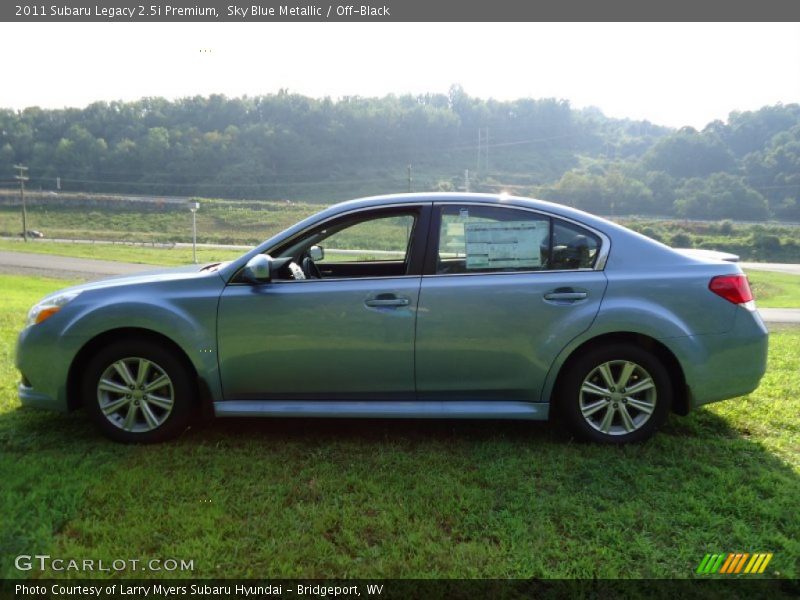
column 669, row 74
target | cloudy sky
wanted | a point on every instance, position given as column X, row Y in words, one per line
column 670, row 74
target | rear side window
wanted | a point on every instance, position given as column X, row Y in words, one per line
column 484, row 239
column 574, row 247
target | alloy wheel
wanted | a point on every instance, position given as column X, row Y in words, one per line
column 135, row 394
column 617, row 397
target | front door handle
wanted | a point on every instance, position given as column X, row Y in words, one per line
column 386, row 300
column 565, row 295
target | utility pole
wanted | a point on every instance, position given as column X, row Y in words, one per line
column 194, row 206
column 22, row 179
column 408, row 225
column 483, row 149
column 466, row 180
column 478, row 164
column 487, row 150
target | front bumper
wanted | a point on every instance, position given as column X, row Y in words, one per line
column 44, row 364
column 32, row 399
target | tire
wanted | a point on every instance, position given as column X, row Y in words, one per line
column 615, row 394
column 157, row 408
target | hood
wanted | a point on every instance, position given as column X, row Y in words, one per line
column 157, row 275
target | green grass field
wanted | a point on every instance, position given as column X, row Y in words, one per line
column 120, row 252
column 327, row 498
column 775, row 290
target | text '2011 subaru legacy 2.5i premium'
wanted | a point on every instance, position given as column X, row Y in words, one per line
column 420, row 305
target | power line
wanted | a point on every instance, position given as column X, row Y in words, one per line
column 301, row 183
column 230, row 185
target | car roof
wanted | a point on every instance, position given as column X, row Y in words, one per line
column 472, row 198
column 634, row 249
column 449, row 197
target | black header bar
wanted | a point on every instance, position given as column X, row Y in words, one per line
column 393, row 589
column 142, row 11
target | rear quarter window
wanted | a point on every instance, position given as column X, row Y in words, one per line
column 573, row 246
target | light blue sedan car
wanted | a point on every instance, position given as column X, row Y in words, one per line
column 419, row 305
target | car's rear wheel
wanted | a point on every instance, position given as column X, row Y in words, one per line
column 138, row 391
column 615, row 394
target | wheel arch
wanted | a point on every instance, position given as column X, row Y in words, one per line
column 78, row 365
column 681, row 401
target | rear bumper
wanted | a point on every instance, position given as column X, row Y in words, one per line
column 718, row 367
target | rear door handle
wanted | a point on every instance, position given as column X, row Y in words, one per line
column 384, row 300
column 565, row 296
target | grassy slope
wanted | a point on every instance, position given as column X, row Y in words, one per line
column 250, row 222
column 403, row 499
column 217, row 222
column 766, row 242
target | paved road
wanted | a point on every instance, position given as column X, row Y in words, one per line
column 88, row 268
column 794, row 269
column 65, row 267
column 780, row 315
column 134, row 244
column 233, row 247
column 775, row 267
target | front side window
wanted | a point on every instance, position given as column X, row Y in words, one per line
column 483, row 239
column 359, row 245
column 382, row 239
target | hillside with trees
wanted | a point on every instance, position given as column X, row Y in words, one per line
column 745, row 169
column 287, row 146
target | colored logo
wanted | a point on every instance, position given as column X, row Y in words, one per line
column 733, row 563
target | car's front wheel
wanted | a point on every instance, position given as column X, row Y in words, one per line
column 615, row 394
column 138, row 391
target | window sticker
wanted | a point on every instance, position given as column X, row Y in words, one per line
column 455, row 229
column 453, row 239
column 505, row 244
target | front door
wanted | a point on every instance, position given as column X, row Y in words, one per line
column 338, row 327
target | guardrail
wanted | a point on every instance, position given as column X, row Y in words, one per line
column 153, row 244
column 170, row 245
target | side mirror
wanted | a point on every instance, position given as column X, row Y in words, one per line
column 316, row 253
column 258, row 269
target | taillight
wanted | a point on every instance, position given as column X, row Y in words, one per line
column 734, row 288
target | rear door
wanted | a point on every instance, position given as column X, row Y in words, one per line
column 504, row 290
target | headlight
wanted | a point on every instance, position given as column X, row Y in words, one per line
column 48, row 307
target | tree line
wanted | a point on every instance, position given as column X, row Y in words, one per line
column 747, row 168
column 288, row 146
